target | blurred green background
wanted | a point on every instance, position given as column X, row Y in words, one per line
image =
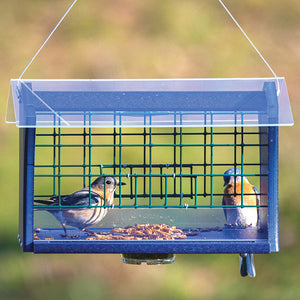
column 149, row 39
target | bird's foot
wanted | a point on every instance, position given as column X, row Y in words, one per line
column 89, row 232
column 237, row 226
column 229, row 225
column 70, row 236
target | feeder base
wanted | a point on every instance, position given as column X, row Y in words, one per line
column 148, row 258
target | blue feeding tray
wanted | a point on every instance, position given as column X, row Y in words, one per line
column 170, row 141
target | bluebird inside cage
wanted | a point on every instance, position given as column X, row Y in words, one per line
column 171, row 165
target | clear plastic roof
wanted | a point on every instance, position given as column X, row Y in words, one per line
column 155, row 103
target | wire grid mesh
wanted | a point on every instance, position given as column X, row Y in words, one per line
column 163, row 167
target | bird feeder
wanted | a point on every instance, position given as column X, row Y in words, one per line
column 170, row 141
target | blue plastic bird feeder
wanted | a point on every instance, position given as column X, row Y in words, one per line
column 170, row 141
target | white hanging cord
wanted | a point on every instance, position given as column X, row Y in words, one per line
column 246, row 36
column 35, row 55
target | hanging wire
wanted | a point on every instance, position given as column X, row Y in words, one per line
column 54, row 29
column 35, row 55
column 226, row 9
column 251, row 43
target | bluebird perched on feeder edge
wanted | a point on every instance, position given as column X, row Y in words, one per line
column 82, row 217
column 241, row 216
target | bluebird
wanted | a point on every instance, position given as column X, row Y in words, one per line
column 81, row 218
column 246, row 216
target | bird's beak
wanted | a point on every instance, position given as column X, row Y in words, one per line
column 121, row 183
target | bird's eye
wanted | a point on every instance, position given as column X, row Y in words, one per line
column 108, row 182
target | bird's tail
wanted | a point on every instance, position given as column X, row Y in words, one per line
column 47, row 202
column 247, row 264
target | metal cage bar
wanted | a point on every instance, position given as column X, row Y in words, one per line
column 178, row 170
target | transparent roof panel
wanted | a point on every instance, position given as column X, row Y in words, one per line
column 155, row 103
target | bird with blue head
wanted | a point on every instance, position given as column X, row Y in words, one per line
column 241, row 201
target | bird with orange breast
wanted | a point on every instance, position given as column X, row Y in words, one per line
column 89, row 202
column 236, row 186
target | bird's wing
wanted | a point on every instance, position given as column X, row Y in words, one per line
column 257, row 201
column 81, row 197
column 224, row 209
column 257, row 195
column 78, row 198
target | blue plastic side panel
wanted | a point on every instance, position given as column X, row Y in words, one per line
column 273, row 221
column 26, row 188
column 273, row 189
